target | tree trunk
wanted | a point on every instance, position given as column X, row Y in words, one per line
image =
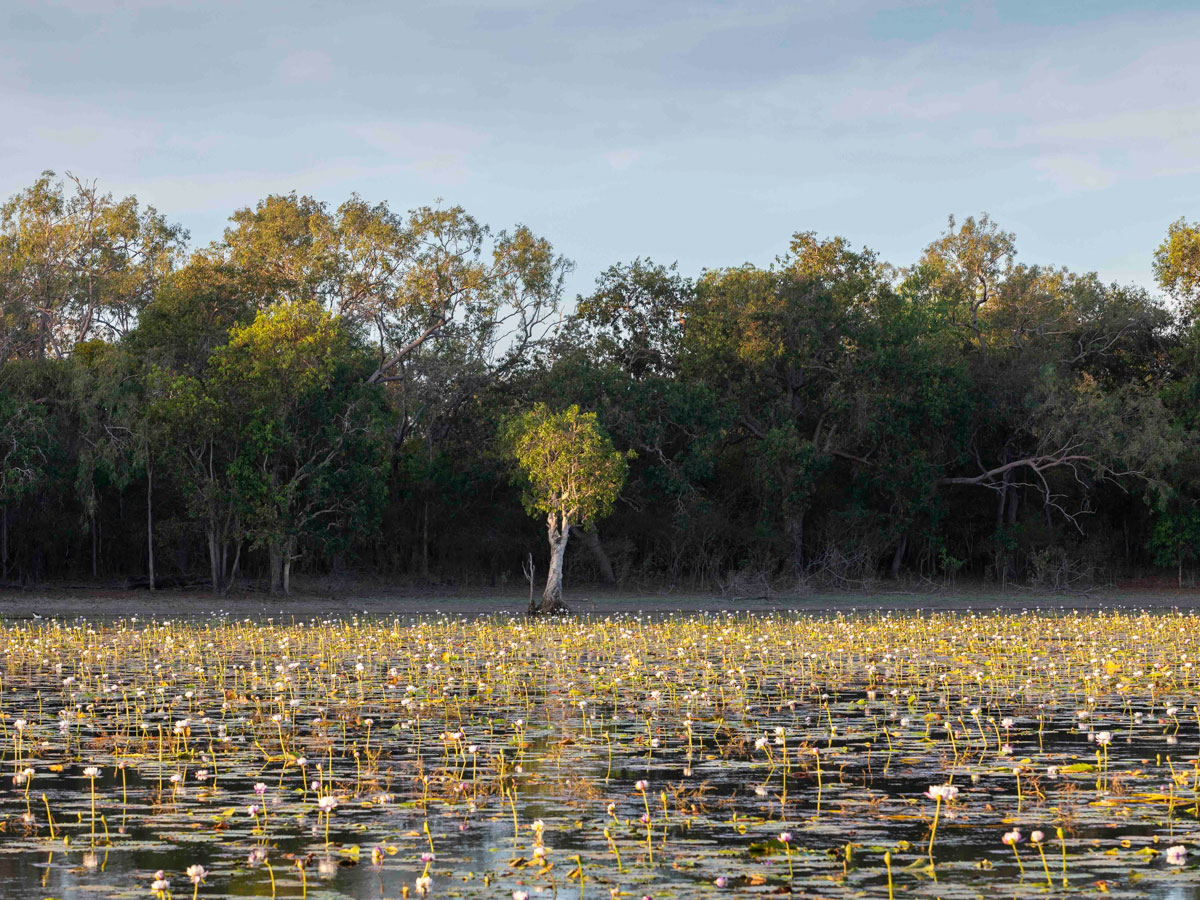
column 898, row 556
column 1002, row 561
column 150, row 520
column 233, row 570
column 275, row 561
column 289, row 549
column 216, row 566
column 591, row 540
column 1010, row 513
column 529, row 574
column 214, row 571
column 559, row 533
column 795, row 530
column 4, row 543
column 425, row 543
column 93, row 530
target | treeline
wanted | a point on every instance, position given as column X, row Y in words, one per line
column 321, row 391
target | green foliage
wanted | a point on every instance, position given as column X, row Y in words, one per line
column 1176, row 536
column 76, row 265
column 327, row 383
column 313, row 434
column 567, row 462
column 24, row 440
column 1177, row 264
column 634, row 319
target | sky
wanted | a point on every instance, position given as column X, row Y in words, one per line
column 701, row 132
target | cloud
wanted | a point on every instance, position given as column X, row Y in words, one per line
column 1070, row 174
column 305, row 67
column 621, row 159
column 1165, row 123
column 869, row 118
column 438, row 149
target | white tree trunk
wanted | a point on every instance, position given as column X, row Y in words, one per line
column 559, row 531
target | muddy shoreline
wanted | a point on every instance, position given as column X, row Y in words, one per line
column 72, row 602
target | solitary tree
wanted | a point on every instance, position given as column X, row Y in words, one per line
column 572, row 474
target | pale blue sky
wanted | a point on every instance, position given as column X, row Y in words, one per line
column 703, row 132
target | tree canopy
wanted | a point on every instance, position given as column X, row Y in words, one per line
column 343, row 391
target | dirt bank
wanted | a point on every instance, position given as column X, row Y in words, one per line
column 70, row 602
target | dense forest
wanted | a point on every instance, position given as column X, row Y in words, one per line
column 324, row 392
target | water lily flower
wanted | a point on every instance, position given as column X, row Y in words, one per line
column 945, row 792
column 160, row 884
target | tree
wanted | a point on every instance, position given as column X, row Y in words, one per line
column 778, row 346
column 572, row 474
column 77, row 265
column 449, row 307
column 1177, row 265
column 312, row 432
column 109, row 402
column 404, row 280
column 619, row 356
column 635, row 317
column 24, row 441
column 1176, row 537
column 192, row 313
column 1056, row 364
column 201, row 440
column 971, row 262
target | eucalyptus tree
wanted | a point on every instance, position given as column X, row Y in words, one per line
column 1177, row 266
column 76, row 265
column 570, row 472
column 435, row 273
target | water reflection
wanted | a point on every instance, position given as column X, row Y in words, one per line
column 214, row 741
